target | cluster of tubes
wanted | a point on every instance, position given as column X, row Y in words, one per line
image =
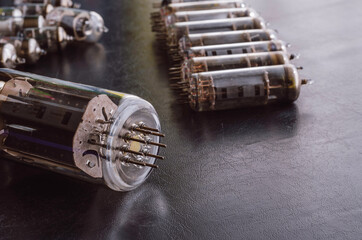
column 32, row 28
column 223, row 55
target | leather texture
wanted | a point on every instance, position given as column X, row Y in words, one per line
column 278, row 172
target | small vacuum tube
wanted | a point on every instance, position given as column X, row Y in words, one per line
column 78, row 130
column 10, row 26
column 188, row 16
column 81, row 24
column 205, row 39
column 56, row 3
column 35, row 8
column 195, row 5
column 8, row 55
column 166, row 2
column 26, row 48
column 235, row 48
column 243, row 87
column 177, row 30
column 51, row 39
column 10, row 12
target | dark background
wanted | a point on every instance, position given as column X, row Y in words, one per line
column 279, row 172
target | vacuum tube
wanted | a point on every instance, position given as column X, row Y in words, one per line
column 8, row 56
column 35, row 8
column 166, row 2
column 187, row 16
column 78, row 130
column 10, row 26
column 10, row 12
column 26, row 48
column 243, row 87
column 225, row 62
column 234, row 48
column 215, row 38
column 196, row 5
column 50, row 39
column 177, row 30
column 56, row 3
column 81, row 24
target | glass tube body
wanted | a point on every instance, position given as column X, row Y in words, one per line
column 75, row 129
column 81, row 24
column 225, row 62
column 200, row 5
column 177, row 30
column 205, row 39
column 201, row 15
column 166, row 2
column 187, row 16
column 235, row 48
column 235, row 88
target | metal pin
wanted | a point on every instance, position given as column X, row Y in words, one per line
column 175, row 69
column 155, row 156
column 182, row 82
column 148, row 132
column 307, row 81
column 294, row 56
column 129, row 160
column 173, row 50
column 143, row 126
column 174, row 72
column 141, row 153
column 145, row 142
column 300, row 68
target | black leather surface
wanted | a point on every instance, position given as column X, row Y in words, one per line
column 280, row 172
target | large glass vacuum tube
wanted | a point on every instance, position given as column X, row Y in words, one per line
column 83, row 25
column 78, row 130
